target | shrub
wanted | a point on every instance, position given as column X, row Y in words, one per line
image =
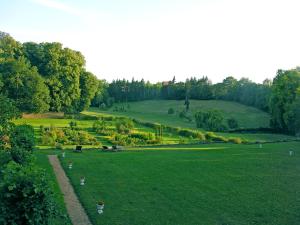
column 232, row 123
column 100, row 126
column 73, row 125
column 191, row 133
column 23, row 137
column 124, row 125
column 54, row 135
column 142, row 136
column 235, row 140
column 25, row 196
column 21, row 156
column 171, row 111
column 210, row 120
column 211, row 136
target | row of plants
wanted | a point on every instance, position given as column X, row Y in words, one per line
column 121, row 134
column 193, row 134
column 66, row 136
column 135, row 139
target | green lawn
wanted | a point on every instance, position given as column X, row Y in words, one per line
column 42, row 161
column 213, row 184
column 156, row 111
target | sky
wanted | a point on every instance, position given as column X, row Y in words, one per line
column 159, row 39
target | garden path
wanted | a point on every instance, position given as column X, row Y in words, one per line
column 75, row 210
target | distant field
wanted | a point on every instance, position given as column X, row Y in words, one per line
column 156, row 111
column 213, row 184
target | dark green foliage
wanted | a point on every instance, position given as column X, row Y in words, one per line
column 24, row 85
column 9, row 48
column 25, row 197
column 232, row 123
column 8, row 111
column 23, row 137
column 210, row 120
column 284, row 101
column 39, row 76
column 88, row 86
column 124, row 126
column 171, row 111
column 73, row 125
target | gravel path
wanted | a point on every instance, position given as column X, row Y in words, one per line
column 74, row 208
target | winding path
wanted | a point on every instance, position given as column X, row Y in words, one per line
column 74, row 207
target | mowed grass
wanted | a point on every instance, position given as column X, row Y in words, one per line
column 213, row 184
column 156, row 111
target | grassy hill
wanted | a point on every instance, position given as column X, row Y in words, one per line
column 157, row 111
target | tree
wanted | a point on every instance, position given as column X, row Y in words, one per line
column 24, row 85
column 88, row 88
column 61, row 69
column 211, row 120
column 283, row 100
column 9, row 48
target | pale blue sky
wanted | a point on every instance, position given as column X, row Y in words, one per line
column 158, row 39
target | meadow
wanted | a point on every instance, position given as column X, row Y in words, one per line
column 157, row 111
column 200, row 184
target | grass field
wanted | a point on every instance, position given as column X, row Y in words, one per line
column 42, row 161
column 156, row 111
column 213, row 184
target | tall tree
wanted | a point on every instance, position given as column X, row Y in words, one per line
column 88, row 88
column 24, row 85
column 61, row 68
column 284, row 92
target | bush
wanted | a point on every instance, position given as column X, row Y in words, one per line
column 191, row 133
column 124, row 125
column 211, row 136
column 53, row 136
column 235, row 140
column 143, row 136
column 23, row 137
column 25, row 196
column 73, row 125
column 100, row 126
column 171, row 111
column 232, row 123
column 134, row 139
column 210, row 120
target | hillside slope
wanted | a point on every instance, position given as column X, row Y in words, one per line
column 157, row 111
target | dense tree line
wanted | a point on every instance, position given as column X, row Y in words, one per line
column 45, row 76
column 243, row 91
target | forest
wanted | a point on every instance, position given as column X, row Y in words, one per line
column 42, row 77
